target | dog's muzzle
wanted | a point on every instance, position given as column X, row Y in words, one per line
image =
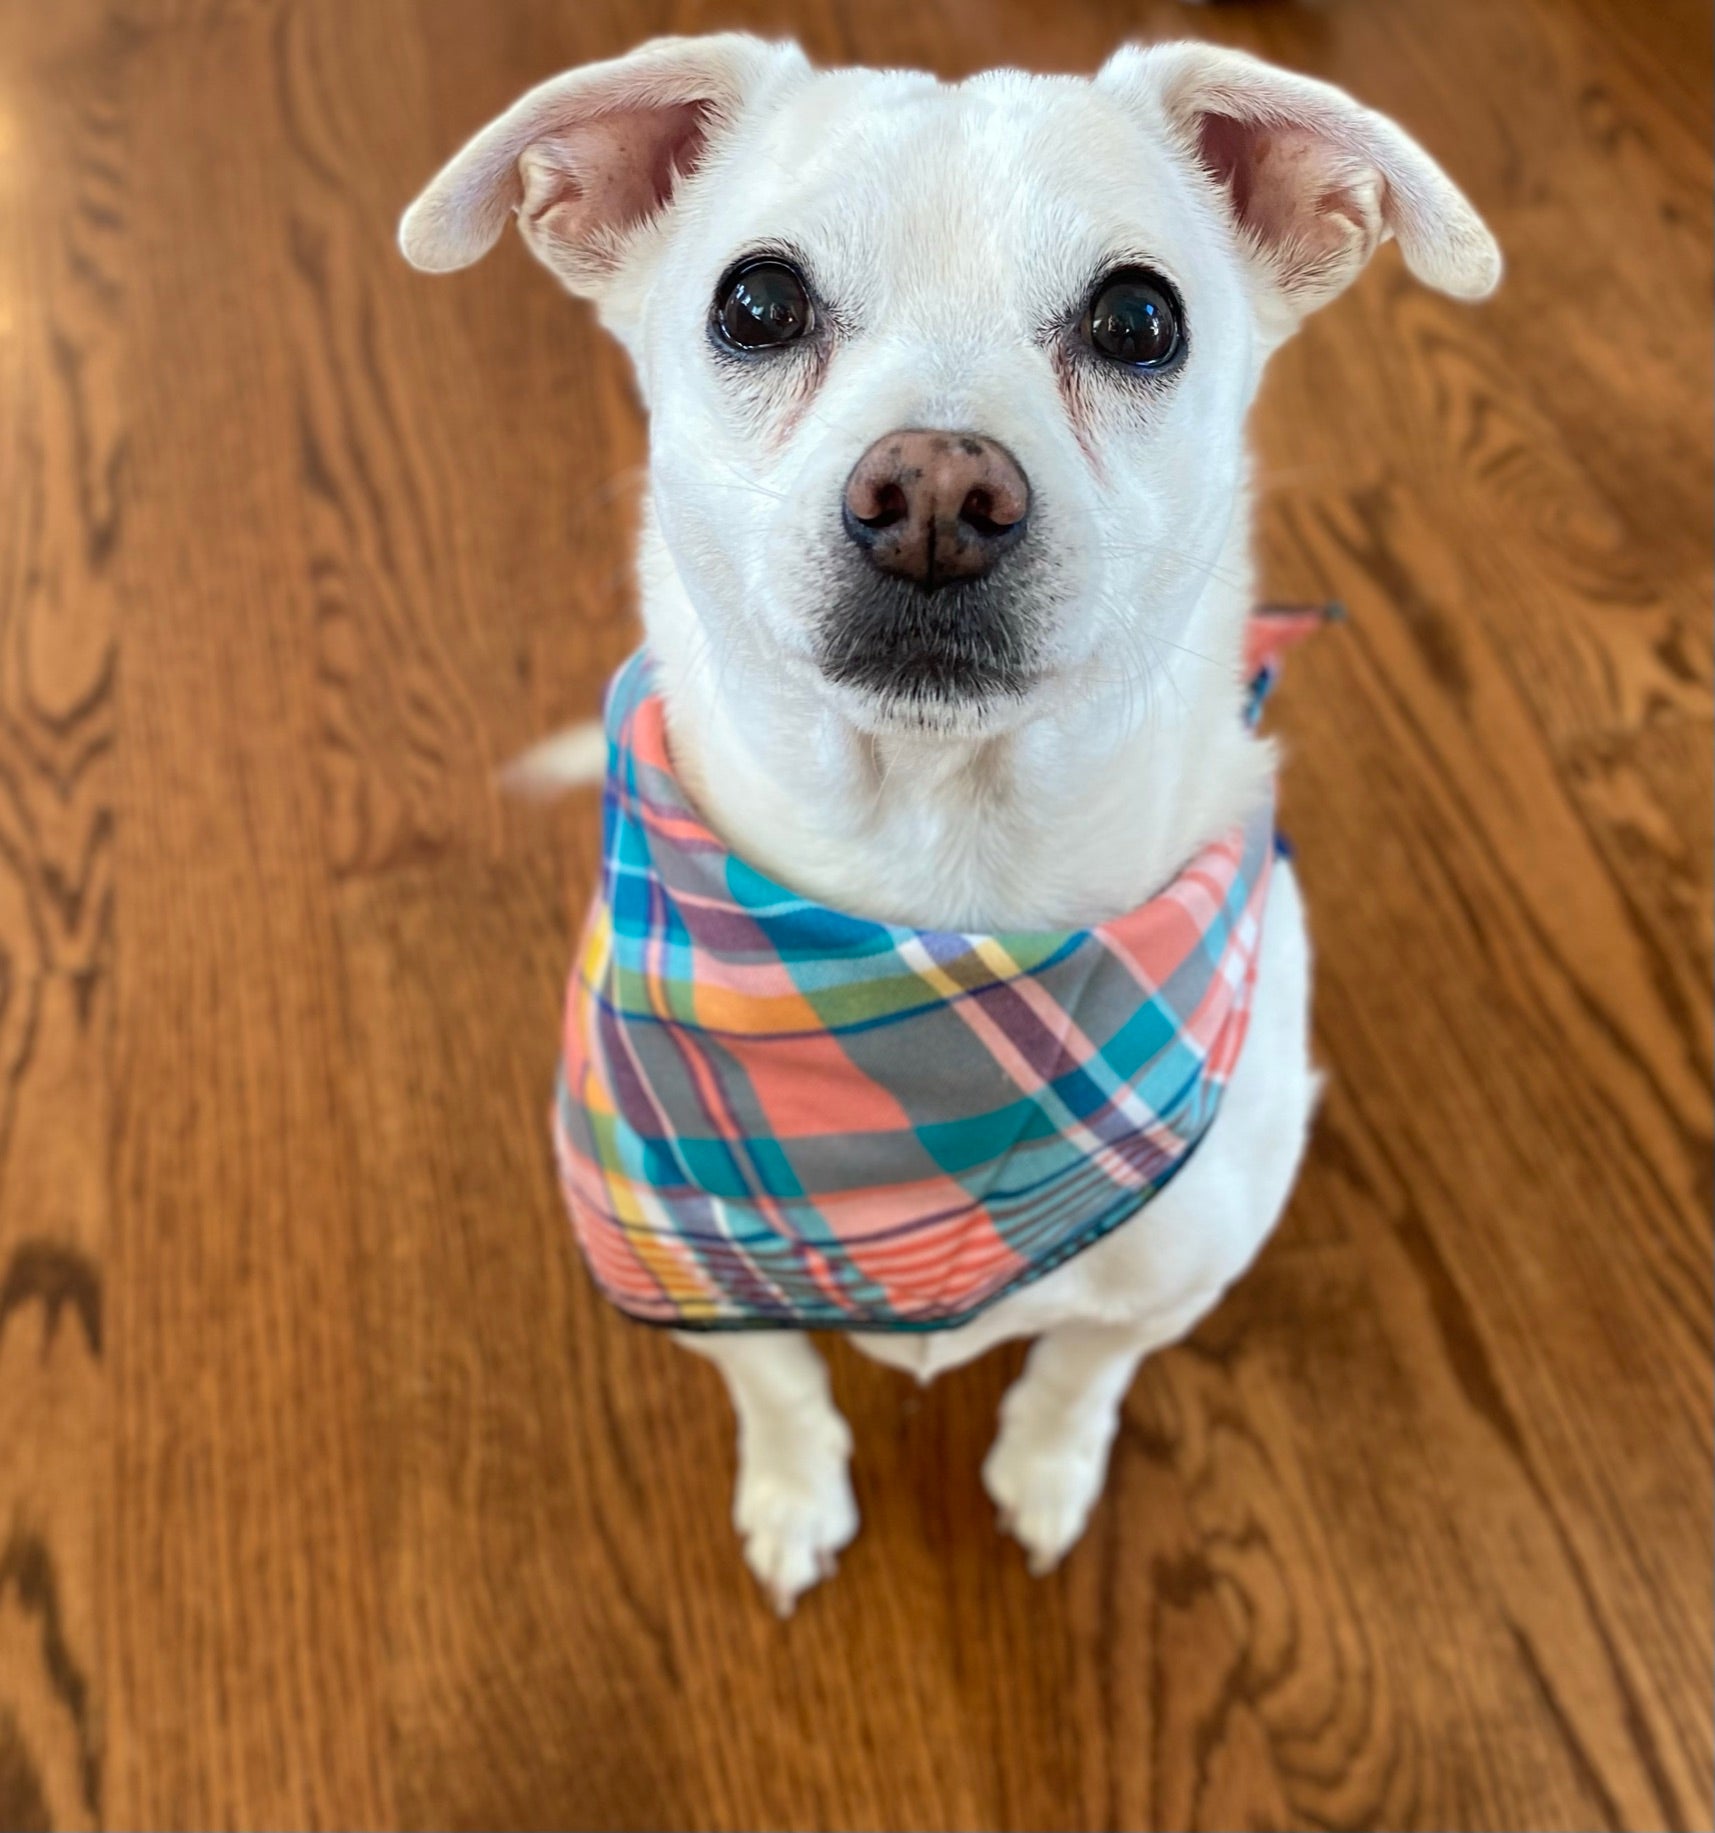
column 934, row 613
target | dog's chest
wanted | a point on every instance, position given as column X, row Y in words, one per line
column 775, row 1112
column 983, row 852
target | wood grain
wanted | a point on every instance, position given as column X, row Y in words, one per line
column 330, row 1496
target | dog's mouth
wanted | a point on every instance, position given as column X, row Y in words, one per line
column 959, row 656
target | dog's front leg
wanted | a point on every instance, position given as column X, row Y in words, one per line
column 793, row 1505
column 1047, row 1465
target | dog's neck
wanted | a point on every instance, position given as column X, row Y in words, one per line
column 1072, row 818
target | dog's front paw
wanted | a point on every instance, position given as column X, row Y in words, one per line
column 1044, row 1488
column 794, row 1520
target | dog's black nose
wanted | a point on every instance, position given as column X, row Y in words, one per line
column 936, row 507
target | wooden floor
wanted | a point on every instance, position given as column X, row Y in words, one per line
column 330, row 1495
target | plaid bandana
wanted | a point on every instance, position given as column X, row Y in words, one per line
column 771, row 1113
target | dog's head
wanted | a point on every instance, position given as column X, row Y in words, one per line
column 947, row 382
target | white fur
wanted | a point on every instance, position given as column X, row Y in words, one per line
column 571, row 758
column 952, row 223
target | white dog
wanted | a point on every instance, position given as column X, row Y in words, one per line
column 819, row 275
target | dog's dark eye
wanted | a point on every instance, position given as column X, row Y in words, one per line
column 1133, row 318
column 763, row 305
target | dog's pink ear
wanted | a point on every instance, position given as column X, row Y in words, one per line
column 589, row 158
column 1313, row 181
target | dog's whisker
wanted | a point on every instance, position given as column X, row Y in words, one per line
column 1155, row 636
column 709, row 483
column 1208, row 569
